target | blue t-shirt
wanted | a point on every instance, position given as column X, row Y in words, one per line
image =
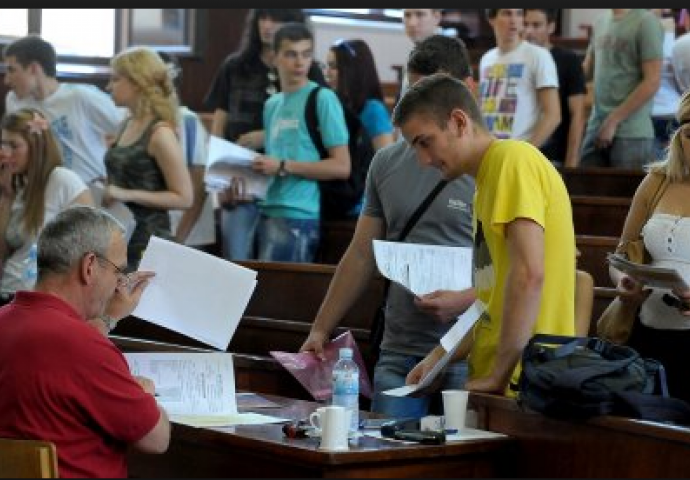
column 287, row 138
column 375, row 118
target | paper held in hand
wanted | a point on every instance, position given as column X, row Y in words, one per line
column 450, row 343
column 651, row 276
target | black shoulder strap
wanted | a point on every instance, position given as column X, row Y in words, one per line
column 423, row 207
column 311, row 116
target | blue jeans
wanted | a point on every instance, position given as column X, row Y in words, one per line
column 288, row 240
column 239, row 226
column 663, row 131
column 391, row 371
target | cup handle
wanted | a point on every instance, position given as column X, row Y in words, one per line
column 314, row 420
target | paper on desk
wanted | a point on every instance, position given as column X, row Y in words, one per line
column 472, row 434
column 423, row 269
column 224, row 151
column 199, row 384
column 205, row 421
column 194, row 293
column 450, row 343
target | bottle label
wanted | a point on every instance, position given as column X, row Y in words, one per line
column 346, row 384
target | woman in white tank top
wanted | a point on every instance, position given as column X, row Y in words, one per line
column 661, row 331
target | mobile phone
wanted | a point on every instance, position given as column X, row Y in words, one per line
column 389, row 428
column 426, row 437
column 673, row 301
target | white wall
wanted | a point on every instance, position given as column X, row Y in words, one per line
column 574, row 18
column 387, row 41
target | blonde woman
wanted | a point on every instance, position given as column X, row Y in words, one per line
column 662, row 328
column 34, row 188
column 145, row 164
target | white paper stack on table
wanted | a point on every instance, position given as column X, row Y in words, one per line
column 666, row 278
column 227, row 160
column 422, row 269
column 194, row 293
column 196, row 389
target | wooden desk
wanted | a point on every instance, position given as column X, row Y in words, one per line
column 603, row 447
column 264, row 451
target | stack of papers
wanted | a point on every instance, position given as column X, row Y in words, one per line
column 196, row 389
column 227, row 160
column 655, row 277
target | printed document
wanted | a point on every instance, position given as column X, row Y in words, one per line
column 196, row 389
column 227, row 160
column 194, row 293
column 423, row 269
column 656, row 277
column 450, row 343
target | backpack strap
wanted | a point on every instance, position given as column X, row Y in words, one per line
column 311, row 115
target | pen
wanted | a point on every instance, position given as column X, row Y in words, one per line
column 451, row 431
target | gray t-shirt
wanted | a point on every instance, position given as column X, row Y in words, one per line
column 396, row 185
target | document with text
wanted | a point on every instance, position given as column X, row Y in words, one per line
column 194, row 293
column 651, row 276
column 189, row 383
column 423, row 269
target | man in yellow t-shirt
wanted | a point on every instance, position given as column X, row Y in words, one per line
column 524, row 247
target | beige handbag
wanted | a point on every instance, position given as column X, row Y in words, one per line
column 616, row 322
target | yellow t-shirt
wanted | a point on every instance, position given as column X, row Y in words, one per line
column 516, row 181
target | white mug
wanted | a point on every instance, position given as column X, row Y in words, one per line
column 334, row 423
column 455, row 408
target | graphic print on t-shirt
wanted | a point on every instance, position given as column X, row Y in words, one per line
column 498, row 97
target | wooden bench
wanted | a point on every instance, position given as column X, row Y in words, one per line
column 601, row 181
column 599, row 215
column 593, row 251
column 280, row 312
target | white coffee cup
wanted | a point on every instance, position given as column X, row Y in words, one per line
column 455, row 408
column 334, row 423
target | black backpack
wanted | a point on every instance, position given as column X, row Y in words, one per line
column 339, row 197
column 581, row 377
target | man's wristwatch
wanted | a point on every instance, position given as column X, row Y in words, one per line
column 110, row 322
column 282, row 172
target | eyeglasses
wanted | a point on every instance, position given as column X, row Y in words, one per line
column 347, row 46
column 122, row 276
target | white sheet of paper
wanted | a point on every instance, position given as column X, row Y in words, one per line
column 189, row 383
column 463, row 325
column 207, row 421
column 450, row 343
column 472, row 434
column 658, row 277
column 224, row 151
column 423, row 269
column 220, row 175
column 194, row 293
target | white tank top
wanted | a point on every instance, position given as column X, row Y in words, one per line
column 667, row 239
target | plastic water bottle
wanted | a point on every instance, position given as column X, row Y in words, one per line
column 31, row 267
column 346, row 386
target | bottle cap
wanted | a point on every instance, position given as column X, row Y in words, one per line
column 345, row 352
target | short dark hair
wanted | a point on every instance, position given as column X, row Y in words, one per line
column 32, row 48
column 551, row 13
column 439, row 53
column 492, row 12
column 437, row 96
column 292, row 32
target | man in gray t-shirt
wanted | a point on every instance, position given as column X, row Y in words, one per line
column 396, row 185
